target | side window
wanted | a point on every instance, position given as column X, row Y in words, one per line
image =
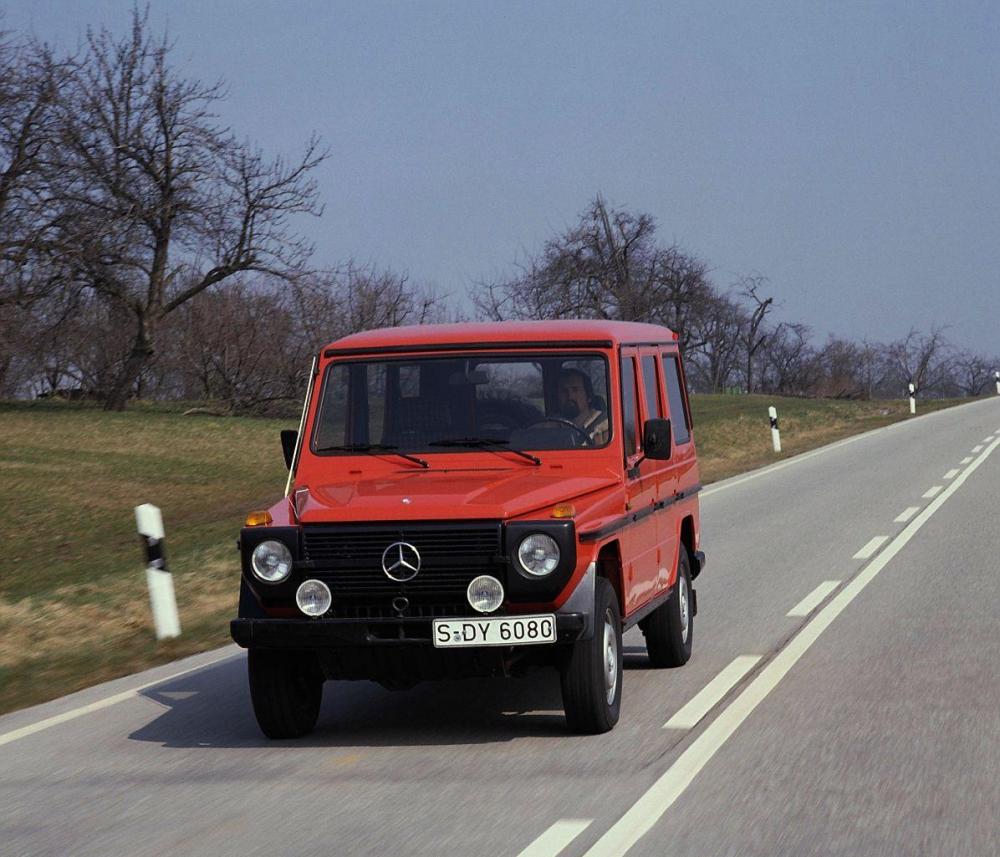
column 630, row 413
column 654, row 403
column 680, row 420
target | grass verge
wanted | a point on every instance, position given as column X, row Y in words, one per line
column 73, row 603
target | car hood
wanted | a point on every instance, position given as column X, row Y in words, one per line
column 435, row 495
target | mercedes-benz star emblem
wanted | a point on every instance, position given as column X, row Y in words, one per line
column 400, row 561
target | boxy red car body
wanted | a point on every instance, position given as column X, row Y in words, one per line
column 634, row 519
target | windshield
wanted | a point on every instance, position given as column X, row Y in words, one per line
column 437, row 404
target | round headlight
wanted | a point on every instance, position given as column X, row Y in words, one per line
column 271, row 561
column 485, row 593
column 538, row 554
column 313, row 597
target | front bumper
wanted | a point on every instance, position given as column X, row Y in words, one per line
column 698, row 565
column 319, row 634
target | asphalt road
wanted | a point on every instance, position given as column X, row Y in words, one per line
column 870, row 724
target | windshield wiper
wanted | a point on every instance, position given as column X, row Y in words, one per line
column 484, row 442
column 373, row 448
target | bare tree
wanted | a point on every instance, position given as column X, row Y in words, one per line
column 973, row 373
column 753, row 334
column 791, row 365
column 30, row 78
column 158, row 202
column 718, row 333
column 920, row 359
column 607, row 266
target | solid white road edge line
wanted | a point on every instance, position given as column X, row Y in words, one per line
column 652, row 805
column 951, row 474
column 557, row 837
column 781, row 465
column 814, row 598
column 907, row 513
column 932, row 492
column 708, row 697
column 871, row 547
column 108, row 701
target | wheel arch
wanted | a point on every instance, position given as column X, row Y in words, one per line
column 609, row 566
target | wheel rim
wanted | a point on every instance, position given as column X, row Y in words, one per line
column 610, row 658
column 685, row 615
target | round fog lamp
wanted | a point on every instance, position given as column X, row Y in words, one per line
column 271, row 561
column 313, row 598
column 538, row 554
column 485, row 593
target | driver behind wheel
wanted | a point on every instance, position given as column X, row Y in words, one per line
column 575, row 397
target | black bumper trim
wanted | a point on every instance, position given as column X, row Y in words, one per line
column 354, row 633
column 698, row 565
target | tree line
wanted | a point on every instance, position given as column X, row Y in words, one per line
column 610, row 265
column 148, row 251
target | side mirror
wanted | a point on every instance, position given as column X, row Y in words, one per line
column 289, row 437
column 656, row 439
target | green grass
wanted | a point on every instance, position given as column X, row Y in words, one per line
column 73, row 605
column 73, row 602
column 733, row 433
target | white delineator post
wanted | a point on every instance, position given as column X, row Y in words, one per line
column 161, row 584
column 772, row 412
column 997, row 376
column 913, row 399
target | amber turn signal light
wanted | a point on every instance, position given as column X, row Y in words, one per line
column 563, row 510
column 258, row 519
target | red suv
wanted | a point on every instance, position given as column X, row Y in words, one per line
column 477, row 500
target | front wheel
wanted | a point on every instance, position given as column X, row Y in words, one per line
column 592, row 674
column 286, row 691
column 669, row 629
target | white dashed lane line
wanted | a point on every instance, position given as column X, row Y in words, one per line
column 906, row 514
column 557, row 837
column 976, row 449
column 966, row 460
column 708, row 697
column 651, row 806
column 931, row 493
column 871, row 547
column 814, row 598
column 951, row 474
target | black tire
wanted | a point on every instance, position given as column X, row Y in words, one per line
column 286, row 691
column 585, row 676
column 668, row 641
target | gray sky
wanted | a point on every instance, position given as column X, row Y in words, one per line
column 847, row 151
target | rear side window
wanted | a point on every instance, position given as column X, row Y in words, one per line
column 630, row 414
column 680, row 421
column 654, row 405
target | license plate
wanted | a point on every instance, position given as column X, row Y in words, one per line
column 494, row 631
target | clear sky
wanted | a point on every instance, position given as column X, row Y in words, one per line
column 850, row 152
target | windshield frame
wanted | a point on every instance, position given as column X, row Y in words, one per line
column 542, row 354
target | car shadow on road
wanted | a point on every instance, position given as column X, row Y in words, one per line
column 211, row 708
column 634, row 658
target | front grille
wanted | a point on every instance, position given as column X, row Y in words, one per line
column 348, row 558
column 386, row 611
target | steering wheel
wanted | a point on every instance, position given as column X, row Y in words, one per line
column 587, row 439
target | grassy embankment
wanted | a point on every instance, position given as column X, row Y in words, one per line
column 73, row 604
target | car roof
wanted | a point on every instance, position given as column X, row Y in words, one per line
column 595, row 333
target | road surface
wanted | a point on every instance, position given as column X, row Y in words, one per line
column 843, row 698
